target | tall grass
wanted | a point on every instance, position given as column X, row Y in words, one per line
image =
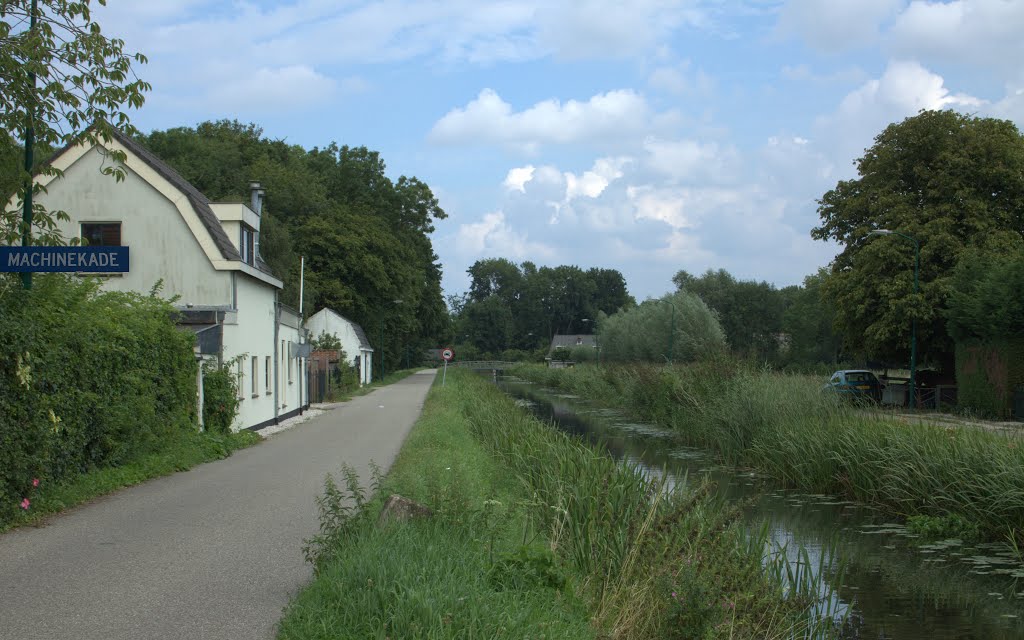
column 537, row 535
column 784, row 425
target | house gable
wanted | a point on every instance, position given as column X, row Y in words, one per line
column 195, row 208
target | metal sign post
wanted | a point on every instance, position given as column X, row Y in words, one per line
column 447, row 354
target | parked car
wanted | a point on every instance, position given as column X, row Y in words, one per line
column 856, row 384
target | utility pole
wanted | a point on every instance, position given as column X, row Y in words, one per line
column 30, row 142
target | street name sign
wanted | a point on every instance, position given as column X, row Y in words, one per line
column 64, row 259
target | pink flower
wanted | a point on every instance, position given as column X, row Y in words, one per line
column 35, row 482
column 25, row 503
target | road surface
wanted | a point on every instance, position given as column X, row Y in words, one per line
column 213, row 553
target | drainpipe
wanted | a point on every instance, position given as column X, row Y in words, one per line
column 277, row 366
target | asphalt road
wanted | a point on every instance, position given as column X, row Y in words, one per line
column 213, row 553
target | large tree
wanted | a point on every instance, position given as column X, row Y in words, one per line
column 950, row 181
column 64, row 81
column 750, row 312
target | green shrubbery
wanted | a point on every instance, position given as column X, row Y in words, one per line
column 679, row 327
column 220, row 397
column 87, row 380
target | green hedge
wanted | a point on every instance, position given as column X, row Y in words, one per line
column 987, row 374
column 87, row 379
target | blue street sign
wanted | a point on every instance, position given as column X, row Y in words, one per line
column 64, row 259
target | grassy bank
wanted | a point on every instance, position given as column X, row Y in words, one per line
column 534, row 535
column 183, row 452
column 953, row 481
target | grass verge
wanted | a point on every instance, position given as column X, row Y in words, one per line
column 785, row 426
column 184, row 452
column 533, row 534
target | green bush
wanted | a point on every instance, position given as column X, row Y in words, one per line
column 679, row 327
column 988, row 374
column 87, row 379
column 220, row 397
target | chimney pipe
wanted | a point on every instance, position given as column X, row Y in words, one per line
column 256, row 194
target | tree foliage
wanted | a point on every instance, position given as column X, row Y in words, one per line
column 365, row 237
column 750, row 312
column 67, row 82
column 645, row 333
column 986, row 299
column 953, row 182
column 532, row 304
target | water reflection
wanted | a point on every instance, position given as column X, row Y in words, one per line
column 899, row 588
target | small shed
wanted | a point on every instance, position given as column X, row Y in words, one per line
column 352, row 337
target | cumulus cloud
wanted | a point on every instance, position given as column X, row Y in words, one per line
column 903, row 89
column 835, row 25
column 492, row 235
column 986, row 32
column 692, row 160
column 488, row 118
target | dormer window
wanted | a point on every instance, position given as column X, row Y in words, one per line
column 247, row 245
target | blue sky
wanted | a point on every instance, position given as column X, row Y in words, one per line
column 646, row 136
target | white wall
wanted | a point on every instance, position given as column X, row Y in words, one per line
column 160, row 243
column 293, row 370
column 326, row 321
column 253, row 336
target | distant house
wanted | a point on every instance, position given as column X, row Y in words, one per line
column 350, row 334
column 571, row 341
column 205, row 254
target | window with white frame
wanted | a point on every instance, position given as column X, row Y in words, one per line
column 267, row 370
column 240, row 374
column 255, row 377
column 290, row 380
column 247, row 245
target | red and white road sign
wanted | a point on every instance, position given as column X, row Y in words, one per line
column 448, row 354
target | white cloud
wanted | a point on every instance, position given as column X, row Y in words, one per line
column 267, row 90
column 518, row 177
column 492, row 235
column 692, row 160
column 593, row 182
column 611, row 28
column 488, row 118
column 836, row 25
column 902, row 90
column 984, row 32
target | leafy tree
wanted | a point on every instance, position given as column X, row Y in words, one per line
column 954, row 183
column 986, row 299
column 750, row 312
column 64, row 81
column 325, row 342
column 807, row 322
column 489, row 324
column 645, row 332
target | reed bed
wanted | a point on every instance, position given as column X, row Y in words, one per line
column 784, row 425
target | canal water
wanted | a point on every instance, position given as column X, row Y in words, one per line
column 894, row 587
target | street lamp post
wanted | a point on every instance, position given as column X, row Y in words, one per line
column 912, row 400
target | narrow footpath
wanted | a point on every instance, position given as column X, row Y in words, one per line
column 212, row 553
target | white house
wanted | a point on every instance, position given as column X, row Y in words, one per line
column 206, row 254
column 352, row 337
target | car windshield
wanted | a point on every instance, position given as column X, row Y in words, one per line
column 860, row 376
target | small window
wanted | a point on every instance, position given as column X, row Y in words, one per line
column 255, row 376
column 241, row 380
column 267, row 369
column 290, row 364
column 247, row 245
column 101, row 234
